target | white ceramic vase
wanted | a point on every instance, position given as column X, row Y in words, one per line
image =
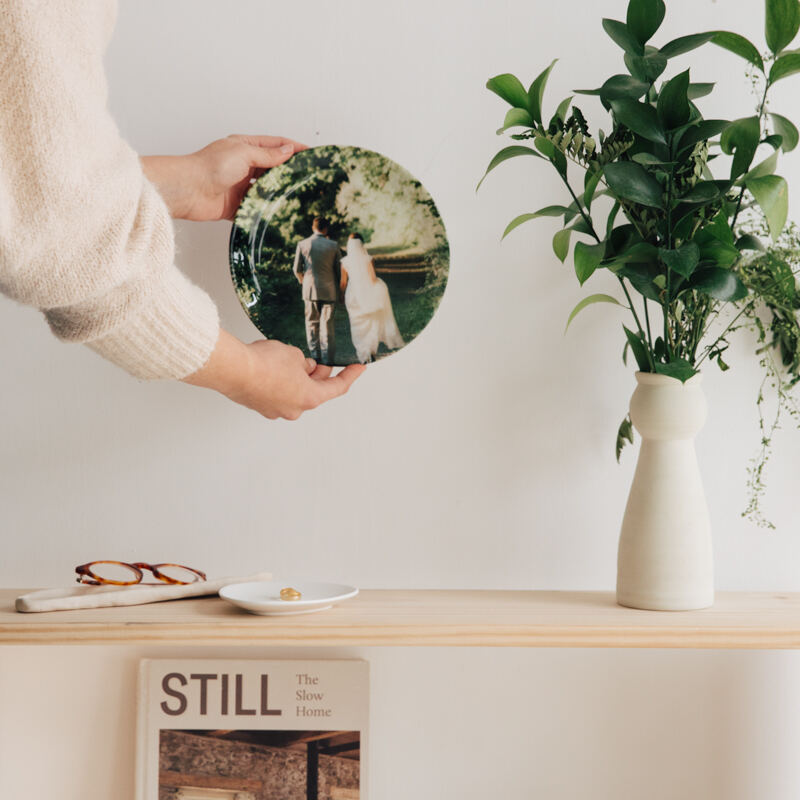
column 665, row 561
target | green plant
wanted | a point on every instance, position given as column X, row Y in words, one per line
column 772, row 316
column 675, row 236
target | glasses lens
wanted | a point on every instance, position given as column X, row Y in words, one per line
column 110, row 571
column 177, row 573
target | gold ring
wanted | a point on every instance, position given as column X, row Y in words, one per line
column 290, row 594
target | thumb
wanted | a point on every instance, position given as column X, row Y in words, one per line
column 266, row 157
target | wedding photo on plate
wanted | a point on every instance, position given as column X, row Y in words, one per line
column 340, row 252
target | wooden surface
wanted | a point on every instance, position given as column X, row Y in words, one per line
column 768, row 620
column 178, row 779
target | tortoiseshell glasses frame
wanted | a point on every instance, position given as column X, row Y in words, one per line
column 87, row 575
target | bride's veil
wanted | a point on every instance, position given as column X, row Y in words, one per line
column 355, row 247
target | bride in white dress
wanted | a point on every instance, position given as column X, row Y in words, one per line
column 368, row 304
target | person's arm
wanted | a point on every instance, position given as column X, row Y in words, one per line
column 272, row 378
column 343, row 281
column 84, row 237
column 372, row 276
column 337, row 266
column 299, row 265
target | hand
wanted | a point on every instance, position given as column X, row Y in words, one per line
column 270, row 377
column 210, row 184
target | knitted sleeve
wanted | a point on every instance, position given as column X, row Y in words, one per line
column 83, row 235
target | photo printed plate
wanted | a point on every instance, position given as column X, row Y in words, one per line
column 340, row 252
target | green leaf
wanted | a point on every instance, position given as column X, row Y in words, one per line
column 645, row 17
column 784, row 66
column 648, row 159
column 507, row 152
column 623, row 252
column 536, row 92
column 588, row 301
column 647, row 67
column 514, row 118
column 782, row 23
column 719, row 283
column 699, row 90
column 786, row 129
column 682, row 260
column 772, row 194
column 741, row 138
column 683, row 44
column 718, row 228
column 766, row 167
column 547, row 211
column 619, row 32
column 557, row 158
column 589, row 187
column 630, row 181
column 580, row 226
column 642, row 277
column 563, row 107
column 680, row 369
column 714, row 251
column 701, row 131
column 587, row 259
column 673, row 102
column 618, row 87
column 612, row 216
column 641, row 118
column 739, row 45
column 749, row 242
column 639, row 349
column 509, row 88
column 702, row 192
column 625, row 433
column 561, row 244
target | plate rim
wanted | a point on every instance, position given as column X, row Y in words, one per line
column 278, row 603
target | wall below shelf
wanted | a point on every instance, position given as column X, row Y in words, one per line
column 432, row 618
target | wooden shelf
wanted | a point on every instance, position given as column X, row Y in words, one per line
column 425, row 618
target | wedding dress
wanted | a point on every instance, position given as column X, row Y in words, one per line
column 368, row 305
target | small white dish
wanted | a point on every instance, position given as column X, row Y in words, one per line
column 264, row 597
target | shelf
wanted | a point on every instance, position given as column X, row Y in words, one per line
column 438, row 618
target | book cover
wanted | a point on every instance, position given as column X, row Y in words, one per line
column 212, row 729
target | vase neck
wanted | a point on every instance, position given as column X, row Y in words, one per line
column 663, row 408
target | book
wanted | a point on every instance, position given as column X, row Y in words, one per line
column 231, row 729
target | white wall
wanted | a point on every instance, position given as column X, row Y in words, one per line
column 481, row 456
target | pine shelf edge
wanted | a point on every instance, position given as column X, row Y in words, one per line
column 425, row 618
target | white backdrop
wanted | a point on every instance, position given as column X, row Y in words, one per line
column 481, row 456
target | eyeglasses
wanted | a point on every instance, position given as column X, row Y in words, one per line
column 120, row 573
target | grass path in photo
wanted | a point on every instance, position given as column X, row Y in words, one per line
column 410, row 314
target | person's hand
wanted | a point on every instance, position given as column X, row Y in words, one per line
column 270, row 377
column 210, row 184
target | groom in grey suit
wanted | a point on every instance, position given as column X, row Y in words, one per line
column 318, row 268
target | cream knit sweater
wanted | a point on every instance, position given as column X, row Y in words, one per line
column 83, row 235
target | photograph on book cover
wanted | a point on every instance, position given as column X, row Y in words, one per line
column 252, row 730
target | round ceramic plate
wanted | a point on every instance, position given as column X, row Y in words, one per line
column 340, row 252
column 264, row 597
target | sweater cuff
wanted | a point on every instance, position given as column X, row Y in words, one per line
column 170, row 335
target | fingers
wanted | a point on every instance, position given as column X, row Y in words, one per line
column 311, row 366
column 339, row 384
column 268, row 141
column 268, row 157
column 321, row 372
